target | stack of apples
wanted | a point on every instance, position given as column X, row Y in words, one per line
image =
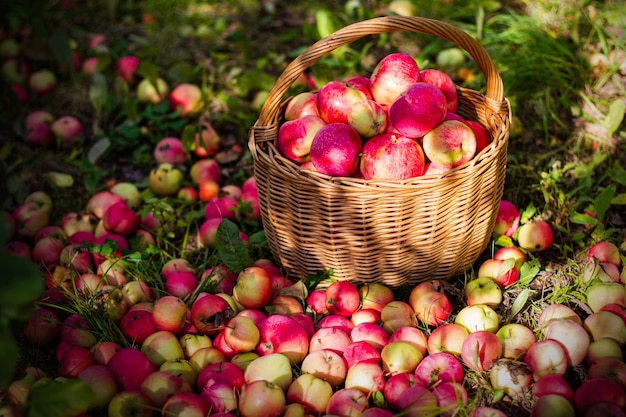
column 399, row 123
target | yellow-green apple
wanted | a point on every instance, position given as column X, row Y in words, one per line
column 282, row 334
column 392, row 76
column 372, row 333
column 205, row 356
column 182, row 368
column 152, row 91
column 170, row 150
column 573, row 337
column 516, row 339
column 137, row 325
column 483, row 290
column 130, row 402
column 261, row 399
column 503, row 272
column 359, row 351
column 605, row 324
column 400, row 356
column 242, row 334
column 417, row 401
column 137, row 291
column 285, row 304
column 273, row 367
column 126, row 67
column 397, row 314
column 67, row 129
column 430, row 302
column 375, row 295
column 42, row 82
column 507, row 219
column 597, row 390
column 396, row 385
column 130, row 367
column 295, row 137
column 335, row 150
column 391, row 156
column 160, row 385
column 443, row 82
column 100, row 379
column 193, row 342
column 300, row 105
column 253, row 288
column 601, row 348
column 225, row 371
column 411, row 334
column 478, row 317
column 162, row 346
column 480, row 349
column 418, row 110
column 439, row 367
column 169, row 313
column 604, row 251
column 41, row 200
column 335, row 100
column 513, row 377
column 547, row 356
column 342, row 298
column 599, row 294
column 447, row 337
column 449, row 144
column 310, row 391
column 104, row 350
column 535, row 236
column 74, row 222
column 210, row 313
column 368, row 118
column 552, row 405
column 552, row 384
column 186, row 99
column 557, row 311
column 207, row 141
column 329, row 338
column 511, row 252
column 327, row 365
column 368, row 377
column 347, row 402
column 205, row 170
column 165, row 180
column 451, row 397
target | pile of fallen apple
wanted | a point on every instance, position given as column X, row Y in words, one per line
column 259, row 344
column 396, row 124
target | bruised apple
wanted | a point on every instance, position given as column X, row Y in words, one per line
column 391, row 156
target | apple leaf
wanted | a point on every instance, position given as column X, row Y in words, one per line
column 520, row 301
column 98, row 149
column 60, row 397
column 619, row 200
column 9, row 357
column 528, row 272
column 98, row 92
column 615, row 116
column 21, row 281
column 603, row 201
column 231, row 249
column 582, row 218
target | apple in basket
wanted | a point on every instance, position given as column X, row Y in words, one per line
column 392, row 76
column 450, row 144
column 391, row 156
column 295, row 137
column 418, row 110
column 335, row 150
column 335, row 100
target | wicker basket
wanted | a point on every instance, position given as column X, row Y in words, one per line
column 393, row 232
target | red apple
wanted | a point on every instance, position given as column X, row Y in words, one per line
column 342, row 298
column 170, row 150
column 451, row 398
column 210, row 313
column 535, row 236
column 368, row 377
column 169, row 313
column 397, row 314
column 396, row 385
column 126, row 68
column 186, row 98
column 443, row 82
column 545, row 357
column 430, row 302
column 596, row 390
column 418, row 110
column 336, row 99
column 67, row 130
column 282, row 334
column 130, row 367
column 261, row 399
column 295, row 137
column 335, row 150
column 480, row 349
column 347, row 402
column 439, row 367
column 391, row 156
column 102, row 382
column 504, row 273
column 358, row 351
column 604, row 251
column 507, row 219
column 392, row 76
column 300, row 105
column 552, row 384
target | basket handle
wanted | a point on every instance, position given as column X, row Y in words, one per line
column 348, row 34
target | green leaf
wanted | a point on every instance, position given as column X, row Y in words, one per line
column 231, row 249
column 520, row 302
column 98, row 91
column 529, row 271
column 98, row 149
column 619, row 200
column 325, row 23
column 504, row 241
column 9, row 357
column 581, row 218
column 61, row 397
column 615, row 116
column 188, row 137
column 20, row 280
column 603, row 201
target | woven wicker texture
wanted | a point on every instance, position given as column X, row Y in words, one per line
column 394, row 232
